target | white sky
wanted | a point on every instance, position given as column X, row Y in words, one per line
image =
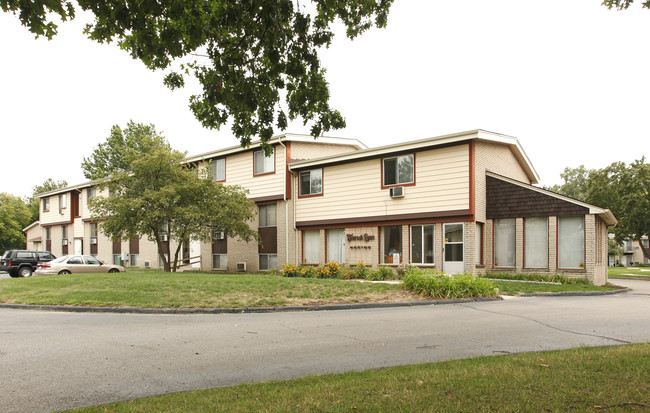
column 568, row 78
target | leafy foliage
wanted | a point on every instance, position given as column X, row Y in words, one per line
column 121, row 148
column 157, row 197
column 247, row 54
column 14, row 216
column 445, row 286
column 623, row 4
column 575, row 183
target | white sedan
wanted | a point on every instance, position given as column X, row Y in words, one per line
column 76, row 264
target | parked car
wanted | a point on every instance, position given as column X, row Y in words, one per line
column 76, row 264
column 22, row 263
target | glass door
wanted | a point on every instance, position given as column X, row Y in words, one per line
column 453, row 248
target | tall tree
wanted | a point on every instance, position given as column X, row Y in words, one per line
column 623, row 4
column 251, row 53
column 625, row 190
column 14, row 216
column 159, row 198
column 121, row 148
column 48, row 185
column 575, row 183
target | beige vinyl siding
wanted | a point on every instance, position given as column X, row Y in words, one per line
column 55, row 215
column 353, row 190
column 239, row 171
column 305, row 150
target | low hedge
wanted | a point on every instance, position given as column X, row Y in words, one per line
column 438, row 285
column 554, row 278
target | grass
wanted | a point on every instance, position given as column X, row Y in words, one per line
column 156, row 289
column 513, row 287
column 614, row 379
column 631, row 272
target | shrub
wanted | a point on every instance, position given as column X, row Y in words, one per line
column 446, row 286
column 326, row 271
column 345, row 273
column 380, row 274
column 308, row 272
column 403, row 269
column 360, row 270
column 554, row 278
column 290, row 271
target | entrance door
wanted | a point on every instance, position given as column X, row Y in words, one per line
column 78, row 244
column 453, row 248
column 195, row 251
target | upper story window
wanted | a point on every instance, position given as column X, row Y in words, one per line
column 90, row 193
column 218, row 170
column 263, row 164
column 399, row 170
column 63, row 201
column 311, row 182
column 46, row 204
column 267, row 215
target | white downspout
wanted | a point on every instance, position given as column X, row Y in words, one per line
column 286, row 204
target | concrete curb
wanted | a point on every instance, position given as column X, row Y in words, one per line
column 631, row 278
column 575, row 293
column 329, row 307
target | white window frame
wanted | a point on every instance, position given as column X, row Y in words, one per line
column 397, row 177
column 314, row 174
column 264, row 215
column 263, row 164
column 422, row 244
column 268, row 258
column 134, row 260
column 223, row 261
column 500, row 244
column 218, row 170
column 563, row 250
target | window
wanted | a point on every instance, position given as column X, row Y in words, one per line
column 90, row 194
column 218, row 170
column 91, row 260
column 536, row 242
column 336, row 245
column 134, row 260
column 75, row 260
column 311, row 247
column 398, row 170
column 48, row 234
column 391, row 244
column 219, row 261
column 479, row 244
column 117, row 259
column 268, row 261
column 267, row 215
column 504, row 242
column 161, row 263
column 263, row 164
column 571, row 242
column 46, row 204
column 311, row 182
column 422, row 244
column 63, row 201
column 64, row 232
column 93, row 229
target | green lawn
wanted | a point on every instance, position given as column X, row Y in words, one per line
column 512, row 287
column 156, row 289
column 612, row 379
column 631, row 272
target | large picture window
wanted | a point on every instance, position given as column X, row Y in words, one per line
column 391, row 244
column 336, row 245
column 571, row 242
column 263, row 164
column 536, row 242
column 268, row 216
column 218, row 170
column 398, row 170
column 422, row 244
column 504, row 242
column 311, row 247
column 311, row 182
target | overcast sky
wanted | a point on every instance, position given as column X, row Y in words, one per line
column 569, row 79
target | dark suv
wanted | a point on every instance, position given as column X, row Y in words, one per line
column 22, row 263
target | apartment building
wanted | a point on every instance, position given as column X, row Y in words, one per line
column 463, row 202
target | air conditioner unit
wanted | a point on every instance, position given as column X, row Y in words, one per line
column 93, row 240
column 61, row 211
column 64, row 242
column 241, row 266
column 147, row 264
column 397, row 192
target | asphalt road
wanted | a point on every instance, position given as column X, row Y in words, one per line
column 55, row 360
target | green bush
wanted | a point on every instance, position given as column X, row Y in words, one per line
column 360, row 270
column 554, row 278
column 345, row 273
column 445, row 286
column 381, row 274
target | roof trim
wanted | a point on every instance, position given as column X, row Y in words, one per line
column 479, row 134
column 30, row 226
column 604, row 213
column 71, row 188
column 276, row 139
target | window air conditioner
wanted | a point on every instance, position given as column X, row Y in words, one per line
column 93, row 240
column 241, row 266
column 61, row 211
column 64, row 242
column 397, row 192
column 146, row 264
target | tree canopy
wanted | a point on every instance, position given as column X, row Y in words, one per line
column 121, row 148
column 575, row 183
column 14, row 216
column 161, row 199
column 247, row 55
column 623, row 4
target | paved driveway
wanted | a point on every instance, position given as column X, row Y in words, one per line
column 55, row 360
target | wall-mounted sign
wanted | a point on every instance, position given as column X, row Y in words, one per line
column 364, row 237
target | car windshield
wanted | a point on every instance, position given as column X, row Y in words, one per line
column 60, row 259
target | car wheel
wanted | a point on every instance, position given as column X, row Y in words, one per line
column 113, row 270
column 25, row 272
column 64, row 272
